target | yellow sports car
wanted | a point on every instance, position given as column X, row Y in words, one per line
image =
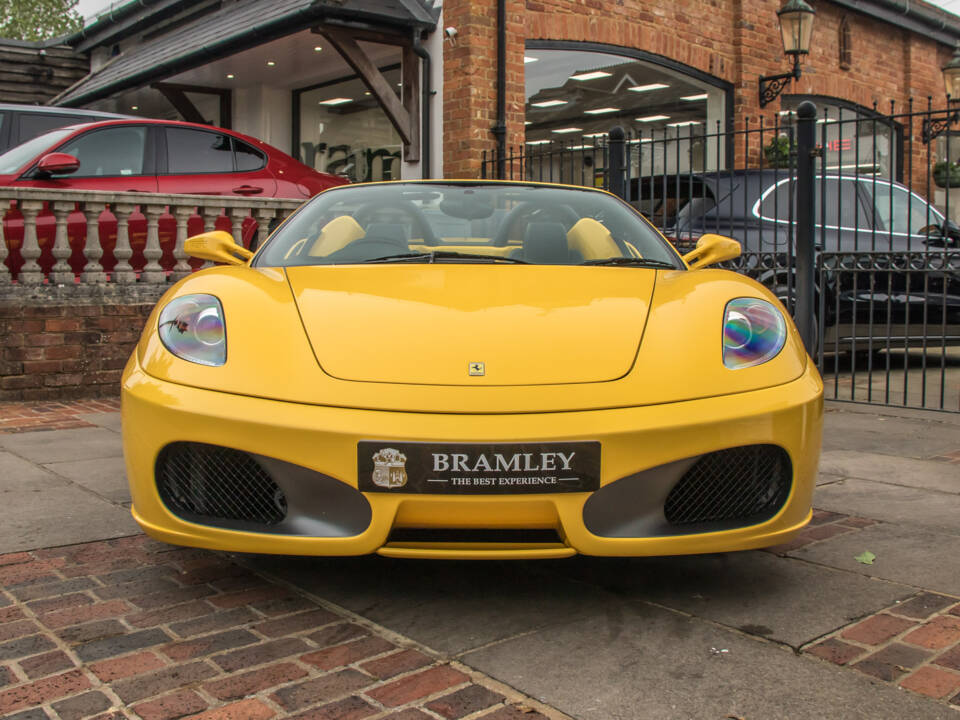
column 470, row 369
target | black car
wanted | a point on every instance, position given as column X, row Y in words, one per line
column 888, row 260
column 19, row 123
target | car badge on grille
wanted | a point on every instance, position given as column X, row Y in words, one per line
column 476, row 368
column 389, row 468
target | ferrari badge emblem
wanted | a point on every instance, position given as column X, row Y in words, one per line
column 476, row 368
column 389, row 468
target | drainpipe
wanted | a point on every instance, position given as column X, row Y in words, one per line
column 426, row 92
column 500, row 129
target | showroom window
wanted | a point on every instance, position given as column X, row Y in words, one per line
column 671, row 114
column 858, row 140
column 341, row 129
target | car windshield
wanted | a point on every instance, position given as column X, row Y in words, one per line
column 466, row 222
column 16, row 157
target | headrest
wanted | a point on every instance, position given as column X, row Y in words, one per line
column 546, row 243
column 388, row 232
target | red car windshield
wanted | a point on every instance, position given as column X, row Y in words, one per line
column 15, row 158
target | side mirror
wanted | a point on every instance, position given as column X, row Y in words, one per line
column 712, row 249
column 217, row 246
column 58, row 164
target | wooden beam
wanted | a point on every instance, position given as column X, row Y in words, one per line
column 397, row 112
column 181, row 103
column 179, row 90
column 410, row 91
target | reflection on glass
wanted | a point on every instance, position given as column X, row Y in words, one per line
column 344, row 131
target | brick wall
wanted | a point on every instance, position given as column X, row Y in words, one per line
column 58, row 347
column 733, row 40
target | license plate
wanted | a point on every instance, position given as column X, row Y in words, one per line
column 478, row 468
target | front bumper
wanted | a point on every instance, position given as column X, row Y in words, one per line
column 324, row 439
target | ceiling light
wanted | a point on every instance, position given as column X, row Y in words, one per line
column 317, row 48
column 336, row 101
column 537, row 142
column 595, row 75
column 683, row 123
column 230, row 76
column 134, row 107
column 367, row 92
column 527, row 122
column 580, row 147
column 647, row 88
column 549, row 103
column 601, row 111
column 527, row 59
column 564, row 131
column 652, row 118
column 694, row 98
column 596, row 134
column 271, row 63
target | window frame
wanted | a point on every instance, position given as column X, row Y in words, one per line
column 147, row 169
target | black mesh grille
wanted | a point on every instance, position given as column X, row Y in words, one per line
column 198, row 481
column 745, row 483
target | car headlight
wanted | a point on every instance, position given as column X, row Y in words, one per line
column 754, row 332
column 192, row 328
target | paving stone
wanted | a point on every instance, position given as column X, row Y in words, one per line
column 247, row 597
column 408, row 714
column 61, row 602
column 118, row 668
column 147, row 685
column 835, row 651
column 210, row 623
column 6, row 676
column 349, row 653
column 283, row 606
column 163, row 616
column 396, row 664
column 296, row 623
column 209, row 644
column 950, row 659
column 171, row 597
column 938, row 633
column 53, row 589
column 136, row 589
column 351, row 708
column 932, row 682
column 249, row 683
column 85, row 613
column 174, row 705
column 17, row 629
column 22, row 647
column 877, row 629
column 337, row 634
column 515, row 712
column 82, row 706
column 107, row 477
column 892, row 469
column 63, row 445
column 121, row 644
column 46, row 664
column 470, row 699
column 892, row 662
column 321, row 689
column 261, row 654
column 414, row 687
column 35, row 714
column 251, row 709
column 42, row 691
column 923, row 605
column 91, row 631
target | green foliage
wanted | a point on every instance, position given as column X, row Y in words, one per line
column 38, row 19
column 777, row 152
column 946, row 174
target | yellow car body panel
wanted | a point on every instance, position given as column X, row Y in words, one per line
column 322, row 358
column 325, row 439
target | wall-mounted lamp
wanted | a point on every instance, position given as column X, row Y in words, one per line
column 796, row 30
column 951, row 80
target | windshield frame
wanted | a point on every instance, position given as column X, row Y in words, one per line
column 670, row 253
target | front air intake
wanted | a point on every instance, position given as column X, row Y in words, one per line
column 745, row 484
column 201, row 482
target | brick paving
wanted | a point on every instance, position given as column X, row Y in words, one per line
column 134, row 628
column 914, row 644
column 823, row 526
column 28, row 416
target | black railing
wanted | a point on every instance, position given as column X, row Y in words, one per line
column 841, row 215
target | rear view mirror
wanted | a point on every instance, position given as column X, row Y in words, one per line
column 712, row 249
column 58, row 164
column 217, row 246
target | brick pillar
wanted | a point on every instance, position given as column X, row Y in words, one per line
column 470, row 83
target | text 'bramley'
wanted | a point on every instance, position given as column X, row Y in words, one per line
column 517, row 462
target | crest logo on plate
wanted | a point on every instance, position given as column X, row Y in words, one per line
column 476, row 368
column 389, row 468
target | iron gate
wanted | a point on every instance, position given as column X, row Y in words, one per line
column 847, row 219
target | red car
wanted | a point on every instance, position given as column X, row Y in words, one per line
column 142, row 155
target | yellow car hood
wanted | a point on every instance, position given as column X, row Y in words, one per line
column 425, row 324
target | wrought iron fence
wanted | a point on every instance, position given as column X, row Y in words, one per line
column 848, row 219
